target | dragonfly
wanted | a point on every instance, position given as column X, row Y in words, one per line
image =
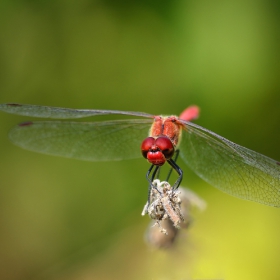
column 233, row 169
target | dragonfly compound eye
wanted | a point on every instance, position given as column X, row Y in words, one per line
column 147, row 145
column 166, row 146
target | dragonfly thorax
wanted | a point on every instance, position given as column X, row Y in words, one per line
column 170, row 127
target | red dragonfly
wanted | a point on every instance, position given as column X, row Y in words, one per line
column 231, row 168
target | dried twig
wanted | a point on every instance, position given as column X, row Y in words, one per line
column 165, row 203
column 170, row 211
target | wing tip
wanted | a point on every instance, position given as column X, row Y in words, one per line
column 28, row 123
column 14, row 104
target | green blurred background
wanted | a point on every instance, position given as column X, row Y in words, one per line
column 68, row 219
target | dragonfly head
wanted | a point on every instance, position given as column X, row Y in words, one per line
column 157, row 150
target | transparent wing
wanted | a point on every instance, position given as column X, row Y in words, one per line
column 229, row 167
column 93, row 141
column 61, row 113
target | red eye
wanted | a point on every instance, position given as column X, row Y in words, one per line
column 166, row 146
column 147, row 145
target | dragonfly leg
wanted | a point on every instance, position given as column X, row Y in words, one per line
column 175, row 157
column 178, row 170
column 158, row 173
column 151, row 180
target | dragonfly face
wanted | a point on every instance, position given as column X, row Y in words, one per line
column 157, row 150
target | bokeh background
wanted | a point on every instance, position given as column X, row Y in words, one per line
column 68, row 219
